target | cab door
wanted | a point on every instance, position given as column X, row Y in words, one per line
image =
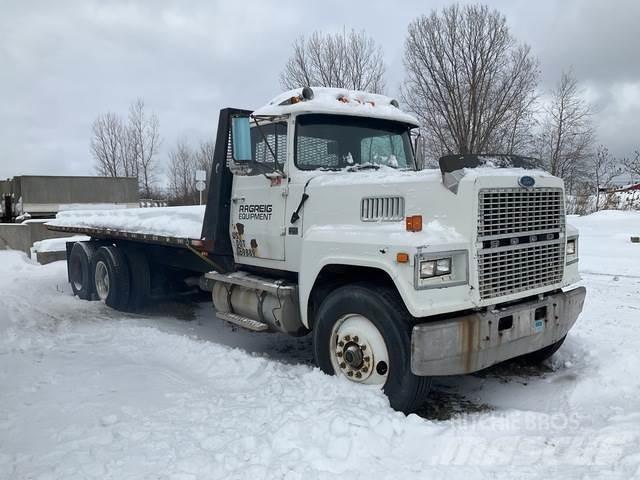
column 258, row 201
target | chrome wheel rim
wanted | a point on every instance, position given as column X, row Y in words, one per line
column 358, row 350
column 102, row 280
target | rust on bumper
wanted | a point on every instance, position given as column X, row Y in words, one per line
column 472, row 342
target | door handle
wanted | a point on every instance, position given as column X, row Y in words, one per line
column 237, row 199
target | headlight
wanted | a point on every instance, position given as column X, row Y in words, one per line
column 428, row 269
column 443, row 266
column 572, row 250
column 441, row 269
column 435, row 268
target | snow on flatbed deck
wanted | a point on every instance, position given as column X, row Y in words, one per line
column 176, row 222
column 88, row 392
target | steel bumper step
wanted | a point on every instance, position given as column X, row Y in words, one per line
column 243, row 322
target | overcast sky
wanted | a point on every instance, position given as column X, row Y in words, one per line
column 62, row 63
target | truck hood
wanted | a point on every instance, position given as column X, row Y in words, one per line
column 336, row 198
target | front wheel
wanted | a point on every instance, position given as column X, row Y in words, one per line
column 362, row 332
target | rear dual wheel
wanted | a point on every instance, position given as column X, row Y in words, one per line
column 80, row 269
column 111, row 277
column 119, row 277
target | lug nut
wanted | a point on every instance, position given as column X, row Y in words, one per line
column 358, row 375
column 366, row 359
column 355, row 339
column 363, row 347
column 347, row 337
column 339, row 354
column 350, row 373
column 343, row 365
column 341, row 343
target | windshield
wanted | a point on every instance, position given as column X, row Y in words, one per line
column 340, row 141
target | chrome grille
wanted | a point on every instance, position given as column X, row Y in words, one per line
column 384, row 209
column 504, row 212
column 532, row 224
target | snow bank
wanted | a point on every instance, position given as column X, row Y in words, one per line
column 180, row 222
column 88, row 393
column 604, row 246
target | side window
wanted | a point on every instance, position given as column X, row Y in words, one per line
column 272, row 135
column 383, row 150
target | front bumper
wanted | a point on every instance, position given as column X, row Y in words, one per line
column 472, row 342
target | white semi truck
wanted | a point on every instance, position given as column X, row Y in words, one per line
column 319, row 221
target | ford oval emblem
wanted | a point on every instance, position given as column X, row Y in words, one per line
column 527, row 181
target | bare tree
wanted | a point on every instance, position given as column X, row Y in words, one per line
column 204, row 161
column 106, row 144
column 129, row 149
column 344, row 60
column 144, row 144
column 182, row 174
column 566, row 141
column 632, row 165
column 468, row 81
column 128, row 155
column 603, row 170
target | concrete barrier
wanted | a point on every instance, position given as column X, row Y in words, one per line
column 20, row 236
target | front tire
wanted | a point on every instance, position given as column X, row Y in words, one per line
column 362, row 332
column 111, row 277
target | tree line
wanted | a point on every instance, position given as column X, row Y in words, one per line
column 130, row 147
column 473, row 86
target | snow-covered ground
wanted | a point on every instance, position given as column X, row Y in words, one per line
column 86, row 392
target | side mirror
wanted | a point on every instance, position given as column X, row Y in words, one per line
column 240, row 139
column 418, row 153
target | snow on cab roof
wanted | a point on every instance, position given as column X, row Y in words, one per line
column 337, row 101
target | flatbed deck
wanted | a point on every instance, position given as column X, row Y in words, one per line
column 106, row 233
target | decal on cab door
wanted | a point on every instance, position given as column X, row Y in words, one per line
column 255, row 211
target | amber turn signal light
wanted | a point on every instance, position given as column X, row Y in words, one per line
column 414, row 223
column 402, row 257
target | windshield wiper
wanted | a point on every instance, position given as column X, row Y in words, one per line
column 364, row 166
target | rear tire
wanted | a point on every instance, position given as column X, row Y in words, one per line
column 364, row 315
column 80, row 271
column 139, row 278
column 111, row 277
column 539, row 356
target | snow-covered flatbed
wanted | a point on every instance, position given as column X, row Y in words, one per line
column 89, row 392
column 163, row 225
